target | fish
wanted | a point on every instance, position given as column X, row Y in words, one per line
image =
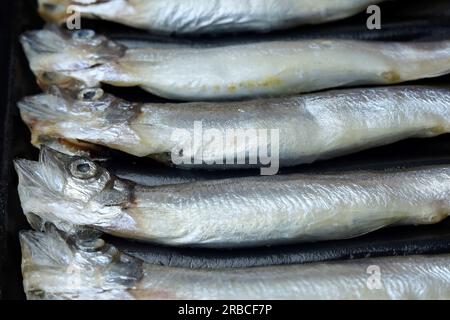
column 265, row 133
column 55, row 267
column 76, row 193
column 84, row 59
column 204, row 16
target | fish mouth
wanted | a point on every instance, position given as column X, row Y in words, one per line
column 29, row 172
column 53, row 50
column 42, row 41
column 44, row 113
column 47, row 174
column 44, row 249
column 56, row 56
column 43, row 107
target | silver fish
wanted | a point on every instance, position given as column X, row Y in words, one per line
column 75, row 193
column 203, row 16
column 54, row 268
column 310, row 127
column 272, row 68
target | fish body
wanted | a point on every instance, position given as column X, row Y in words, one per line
column 55, row 268
column 205, row 16
column 75, row 192
column 260, row 69
column 309, row 127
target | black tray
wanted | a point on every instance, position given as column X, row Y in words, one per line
column 398, row 24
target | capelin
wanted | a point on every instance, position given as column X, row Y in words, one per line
column 56, row 264
column 53, row 50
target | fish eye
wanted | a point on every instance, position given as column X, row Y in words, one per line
column 84, row 34
column 90, row 94
column 83, row 169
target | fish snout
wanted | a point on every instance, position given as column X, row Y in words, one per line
column 39, row 108
column 29, row 173
column 38, row 42
column 44, row 249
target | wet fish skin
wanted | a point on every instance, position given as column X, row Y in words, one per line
column 206, row 16
column 75, row 193
column 261, row 69
column 52, row 265
column 311, row 127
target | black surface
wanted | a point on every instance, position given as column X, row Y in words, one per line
column 401, row 21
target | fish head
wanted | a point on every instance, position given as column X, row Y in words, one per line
column 53, row 52
column 70, row 192
column 57, row 266
column 80, row 120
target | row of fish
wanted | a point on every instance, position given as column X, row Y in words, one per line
column 74, row 193
column 247, row 87
column 55, row 267
column 205, row 16
column 310, row 127
column 85, row 59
